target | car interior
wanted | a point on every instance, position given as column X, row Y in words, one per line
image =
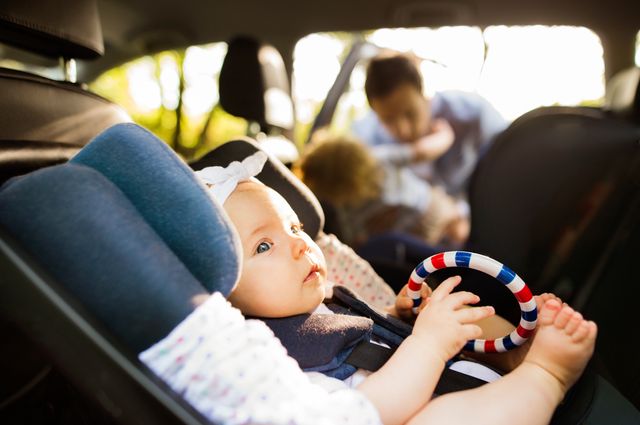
column 556, row 197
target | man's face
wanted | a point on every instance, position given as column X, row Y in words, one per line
column 404, row 112
column 283, row 269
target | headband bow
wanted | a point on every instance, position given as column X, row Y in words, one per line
column 222, row 181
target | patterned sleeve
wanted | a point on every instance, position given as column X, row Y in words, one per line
column 348, row 269
column 234, row 371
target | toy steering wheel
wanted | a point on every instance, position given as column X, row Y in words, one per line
column 506, row 276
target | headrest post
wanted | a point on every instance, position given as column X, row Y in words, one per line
column 69, row 69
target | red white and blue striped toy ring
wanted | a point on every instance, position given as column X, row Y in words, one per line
column 493, row 268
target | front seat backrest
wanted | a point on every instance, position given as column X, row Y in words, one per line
column 540, row 184
column 44, row 121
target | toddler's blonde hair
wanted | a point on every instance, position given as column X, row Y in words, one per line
column 341, row 170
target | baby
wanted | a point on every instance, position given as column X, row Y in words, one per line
column 283, row 274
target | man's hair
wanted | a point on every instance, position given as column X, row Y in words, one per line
column 387, row 72
column 341, row 171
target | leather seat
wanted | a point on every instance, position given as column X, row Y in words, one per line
column 45, row 121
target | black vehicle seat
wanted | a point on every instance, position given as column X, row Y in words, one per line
column 254, row 85
column 44, row 121
column 557, row 198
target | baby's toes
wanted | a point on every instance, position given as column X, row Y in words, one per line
column 574, row 322
column 582, row 332
column 549, row 312
column 563, row 317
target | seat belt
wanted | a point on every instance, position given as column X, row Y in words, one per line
column 370, row 356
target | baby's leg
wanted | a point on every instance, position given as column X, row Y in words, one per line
column 563, row 344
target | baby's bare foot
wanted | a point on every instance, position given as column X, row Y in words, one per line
column 564, row 342
column 515, row 357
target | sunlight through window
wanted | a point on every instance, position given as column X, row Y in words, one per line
column 515, row 68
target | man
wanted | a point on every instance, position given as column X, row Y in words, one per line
column 440, row 138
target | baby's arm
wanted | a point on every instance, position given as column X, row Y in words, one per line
column 406, row 382
column 236, row 371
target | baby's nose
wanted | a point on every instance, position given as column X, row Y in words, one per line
column 299, row 247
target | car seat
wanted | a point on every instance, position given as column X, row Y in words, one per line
column 254, row 85
column 44, row 121
column 117, row 243
column 104, row 270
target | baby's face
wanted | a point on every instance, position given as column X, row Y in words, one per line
column 283, row 270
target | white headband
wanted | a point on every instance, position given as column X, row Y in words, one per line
column 222, row 181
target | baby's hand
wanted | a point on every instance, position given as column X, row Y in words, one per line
column 447, row 324
column 404, row 304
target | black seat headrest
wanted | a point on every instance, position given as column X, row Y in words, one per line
column 55, row 28
column 254, row 84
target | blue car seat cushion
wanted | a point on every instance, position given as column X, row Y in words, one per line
column 81, row 229
column 169, row 197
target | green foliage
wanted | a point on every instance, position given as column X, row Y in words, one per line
column 161, row 107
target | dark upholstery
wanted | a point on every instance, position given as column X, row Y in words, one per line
column 254, row 84
column 541, row 179
column 55, row 28
column 42, row 121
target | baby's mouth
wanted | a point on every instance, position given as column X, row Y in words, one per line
column 314, row 273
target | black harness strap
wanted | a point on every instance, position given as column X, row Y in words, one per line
column 370, row 356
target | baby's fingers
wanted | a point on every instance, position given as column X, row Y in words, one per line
column 403, row 307
column 473, row 314
column 445, row 288
column 459, row 299
column 471, row 331
column 425, row 291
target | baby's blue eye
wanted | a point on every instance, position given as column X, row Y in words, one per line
column 263, row 247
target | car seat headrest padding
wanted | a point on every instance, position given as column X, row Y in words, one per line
column 167, row 194
column 87, row 235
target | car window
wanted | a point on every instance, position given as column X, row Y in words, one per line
column 516, row 68
column 160, row 89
